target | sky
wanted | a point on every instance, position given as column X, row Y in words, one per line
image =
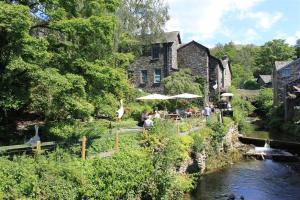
column 241, row 21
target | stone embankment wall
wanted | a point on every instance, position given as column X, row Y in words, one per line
column 229, row 145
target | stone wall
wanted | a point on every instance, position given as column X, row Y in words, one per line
column 164, row 63
column 229, row 144
column 226, row 73
column 215, row 76
column 279, row 82
column 193, row 57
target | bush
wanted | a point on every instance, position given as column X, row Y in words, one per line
column 251, row 85
column 265, row 100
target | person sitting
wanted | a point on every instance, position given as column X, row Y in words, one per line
column 148, row 123
column 189, row 112
column 142, row 119
column 156, row 115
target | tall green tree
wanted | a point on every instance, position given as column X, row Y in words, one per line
column 60, row 68
column 242, row 61
column 275, row 50
column 182, row 82
column 143, row 17
column 297, row 48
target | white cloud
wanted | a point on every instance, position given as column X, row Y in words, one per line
column 202, row 18
column 251, row 33
column 265, row 20
column 291, row 39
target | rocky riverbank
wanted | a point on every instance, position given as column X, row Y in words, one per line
column 229, row 151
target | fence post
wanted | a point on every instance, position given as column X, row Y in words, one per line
column 38, row 147
column 83, row 147
column 117, row 148
column 177, row 126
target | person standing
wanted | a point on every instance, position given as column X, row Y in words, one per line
column 207, row 112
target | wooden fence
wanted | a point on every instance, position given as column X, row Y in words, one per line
column 40, row 147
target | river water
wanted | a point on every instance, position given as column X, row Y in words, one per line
column 253, row 179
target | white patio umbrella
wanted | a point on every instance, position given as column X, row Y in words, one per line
column 186, row 96
column 155, row 97
column 227, row 95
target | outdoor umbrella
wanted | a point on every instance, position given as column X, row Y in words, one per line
column 186, row 96
column 227, row 95
column 155, row 97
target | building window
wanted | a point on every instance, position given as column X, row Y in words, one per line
column 143, row 77
column 157, row 75
column 286, row 72
column 155, row 51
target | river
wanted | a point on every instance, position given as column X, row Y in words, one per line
column 253, row 179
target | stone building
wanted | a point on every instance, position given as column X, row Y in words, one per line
column 292, row 105
column 156, row 63
column 169, row 55
column 227, row 73
column 285, row 76
column 280, row 78
column 265, row 80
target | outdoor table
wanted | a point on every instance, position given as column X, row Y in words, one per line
column 173, row 116
column 197, row 114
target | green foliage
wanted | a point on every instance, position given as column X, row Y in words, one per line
column 265, row 100
column 251, row 85
column 70, row 71
column 182, row 82
column 297, row 48
column 242, row 61
column 217, row 134
column 275, row 50
column 59, row 96
column 198, row 144
column 241, row 109
column 142, row 17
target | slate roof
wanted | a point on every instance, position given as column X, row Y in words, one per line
column 218, row 60
column 281, row 64
column 169, row 37
column 266, row 78
column 197, row 44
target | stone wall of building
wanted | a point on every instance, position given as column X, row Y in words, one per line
column 226, row 73
column 280, row 82
column 215, row 76
column 173, row 57
column 195, row 58
column 149, row 64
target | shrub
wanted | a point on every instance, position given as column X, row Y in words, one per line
column 265, row 100
column 251, row 85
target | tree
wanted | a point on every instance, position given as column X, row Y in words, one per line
column 265, row 100
column 241, row 58
column 240, row 75
column 60, row 68
column 297, row 48
column 275, row 50
column 142, row 17
column 182, row 82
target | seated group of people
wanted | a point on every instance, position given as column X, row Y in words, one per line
column 184, row 113
column 146, row 119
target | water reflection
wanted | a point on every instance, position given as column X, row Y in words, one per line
column 257, row 131
column 255, row 180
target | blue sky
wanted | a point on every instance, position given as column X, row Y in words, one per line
column 242, row 21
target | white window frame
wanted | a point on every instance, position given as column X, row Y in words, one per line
column 141, row 76
column 154, row 76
